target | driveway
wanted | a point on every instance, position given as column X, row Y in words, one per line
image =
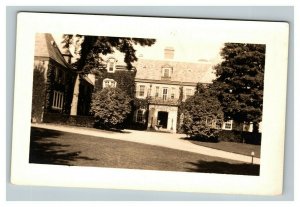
column 173, row 141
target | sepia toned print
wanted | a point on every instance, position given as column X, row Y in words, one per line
column 99, row 101
column 146, row 103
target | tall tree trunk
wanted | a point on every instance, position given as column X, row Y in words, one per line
column 74, row 104
column 255, row 127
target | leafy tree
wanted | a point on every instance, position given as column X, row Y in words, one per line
column 110, row 107
column 239, row 82
column 90, row 50
column 202, row 114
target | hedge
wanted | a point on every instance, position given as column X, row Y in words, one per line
column 239, row 136
column 64, row 119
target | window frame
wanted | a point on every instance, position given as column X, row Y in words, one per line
column 166, row 75
column 111, row 83
column 229, row 122
column 173, row 91
column 186, row 94
column 111, row 62
column 140, row 116
column 165, row 95
column 142, row 91
column 156, row 91
column 57, row 100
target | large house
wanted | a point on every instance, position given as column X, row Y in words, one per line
column 159, row 86
column 165, row 83
column 53, row 82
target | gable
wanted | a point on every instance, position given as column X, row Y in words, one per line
column 45, row 46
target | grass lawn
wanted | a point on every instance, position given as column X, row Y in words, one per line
column 62, row 148
column 240, row 148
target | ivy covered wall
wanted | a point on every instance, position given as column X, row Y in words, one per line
column 64, row 83
column 124, row 79
column 45, row 82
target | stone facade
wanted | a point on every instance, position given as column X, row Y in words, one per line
column 165, row 84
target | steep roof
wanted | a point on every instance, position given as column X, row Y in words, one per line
column 45, row 46
column 190, row 72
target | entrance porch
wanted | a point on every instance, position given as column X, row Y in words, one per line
column 162, row 118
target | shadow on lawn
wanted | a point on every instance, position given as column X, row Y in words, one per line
column 224, row 168
column 201, row 139
column 44, row 149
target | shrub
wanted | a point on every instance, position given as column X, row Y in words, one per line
column 202, row 114
column 110, row 107
column 239, row 136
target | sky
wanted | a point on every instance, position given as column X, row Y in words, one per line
column 189, row 49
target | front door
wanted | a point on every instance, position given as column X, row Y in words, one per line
column 162, row 119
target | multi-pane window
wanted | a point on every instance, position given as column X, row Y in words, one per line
column 111, row 65
column 172, row 93
column 165, row 93
column 142, row 90
column 188, row 93
column 166, row 72
column 109, row 83
column 58, row 100
column 140, row 116
column 228, row 125
column 157, row 91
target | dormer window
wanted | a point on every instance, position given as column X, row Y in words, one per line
column 111, row 65
column 109, row 83
column 166, row 72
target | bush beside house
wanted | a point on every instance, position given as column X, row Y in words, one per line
column 110, row 107
column 202, row 114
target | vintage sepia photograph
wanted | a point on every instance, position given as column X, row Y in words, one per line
column 150, row 103
column 154, row 104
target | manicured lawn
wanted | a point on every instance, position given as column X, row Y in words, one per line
column 61, row 148
column 240, row 148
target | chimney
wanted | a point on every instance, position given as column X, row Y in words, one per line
column 169, row 53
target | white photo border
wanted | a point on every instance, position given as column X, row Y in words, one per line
column 274, row 35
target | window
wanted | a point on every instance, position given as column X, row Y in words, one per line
column 109, row 83
column 172, row 93
column 140, row 116
column 165, row 93
column 228, row 125
column 142, row 91
column 209, row 122
column 58, row 100
column 188, row 93
column 157, row 91
column 166, row 72
column 59, row 76
column 111, row 65
column 56, row 74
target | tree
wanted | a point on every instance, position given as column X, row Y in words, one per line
column 90, row 50
column 202, row 114
column 239, row 82
column 110, row 107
